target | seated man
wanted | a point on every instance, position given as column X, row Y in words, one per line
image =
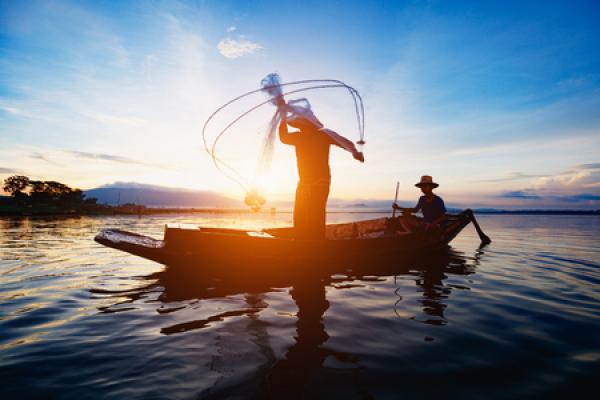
column 432, row 207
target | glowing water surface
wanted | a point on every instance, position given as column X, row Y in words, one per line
column 518, row 318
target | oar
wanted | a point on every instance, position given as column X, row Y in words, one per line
column 395, row 200
column 485, row 239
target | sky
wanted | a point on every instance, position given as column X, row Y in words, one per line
column 498, row 101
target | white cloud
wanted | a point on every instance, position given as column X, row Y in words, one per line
column 11, row 110
column 232, row 48
column 232, row 28
column 584, row 179
column 110, row 119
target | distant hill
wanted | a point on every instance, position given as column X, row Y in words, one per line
column 162, row 196
column 159, row 196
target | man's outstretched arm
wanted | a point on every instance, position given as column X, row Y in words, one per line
column 345, row 144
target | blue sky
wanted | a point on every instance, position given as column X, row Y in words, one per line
column 497, row 100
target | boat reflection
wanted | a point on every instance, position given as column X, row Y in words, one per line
column 431, row 277
column 286, row 378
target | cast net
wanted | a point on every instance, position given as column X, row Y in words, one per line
column 228, row 149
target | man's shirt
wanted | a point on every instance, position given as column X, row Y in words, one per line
column 312, row 154
column 431, row 211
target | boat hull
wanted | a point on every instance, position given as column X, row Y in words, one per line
column 223, row 251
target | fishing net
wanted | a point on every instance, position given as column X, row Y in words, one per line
column 293, row 109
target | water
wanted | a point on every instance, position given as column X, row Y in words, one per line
column 517, row 319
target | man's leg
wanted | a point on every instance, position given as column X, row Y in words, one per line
column 301, row 211
column 409, row 223
column 297, row 211
column 320, row 194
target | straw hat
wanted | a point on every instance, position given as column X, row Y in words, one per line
column 426, row 180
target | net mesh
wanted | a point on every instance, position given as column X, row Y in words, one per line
column 273, row 88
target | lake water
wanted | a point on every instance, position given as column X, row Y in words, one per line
column 519, row 318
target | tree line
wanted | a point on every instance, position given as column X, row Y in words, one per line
column 25, row 191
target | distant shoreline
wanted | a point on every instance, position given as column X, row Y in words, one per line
column 141, row 210
column 538, row 212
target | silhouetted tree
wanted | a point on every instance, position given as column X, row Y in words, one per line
column 39, row 192
column 16, row 184
column 72, row 197
column 56, row 189
column 46, row 193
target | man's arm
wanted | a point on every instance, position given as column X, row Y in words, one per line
column 408, row 209
column 395, row 206
column 344, row 143
column 285, row 136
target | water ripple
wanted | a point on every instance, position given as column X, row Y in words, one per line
column 516, row 319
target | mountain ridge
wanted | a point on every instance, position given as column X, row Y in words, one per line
column 159, row 196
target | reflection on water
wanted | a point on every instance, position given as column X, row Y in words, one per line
column 515, row 319
column 289, row 376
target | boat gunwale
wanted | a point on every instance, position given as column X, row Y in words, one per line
column 159, row 251
column 243, row 233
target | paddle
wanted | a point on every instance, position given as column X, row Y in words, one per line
column 485, row 239
column 395, row 200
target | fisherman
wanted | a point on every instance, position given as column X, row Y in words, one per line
column 312, row 158
column 431, row 205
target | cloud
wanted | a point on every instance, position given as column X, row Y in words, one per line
column 575, row 82
column 586, row 197
column 581, row 179
column 520, row 194
column 515, row 176
column 581, row 198
column 578, row 178
column 232, row 48
column 10, row 110
column 580, row 186
column 116, row 119
column 552, row 200
column 90, row 156
column 8, row 171
column 40, row 156
column 232, row 28
column 110, row 157
column 138, row 185
column 589, row 166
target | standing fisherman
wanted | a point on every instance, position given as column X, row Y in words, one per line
column 312, row 158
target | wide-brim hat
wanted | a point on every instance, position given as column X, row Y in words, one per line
column 426, row 180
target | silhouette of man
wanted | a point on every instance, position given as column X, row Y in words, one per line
column 312, row 158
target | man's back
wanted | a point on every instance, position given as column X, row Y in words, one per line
column 312, row 154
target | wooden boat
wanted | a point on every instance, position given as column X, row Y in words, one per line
column 235, row 251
